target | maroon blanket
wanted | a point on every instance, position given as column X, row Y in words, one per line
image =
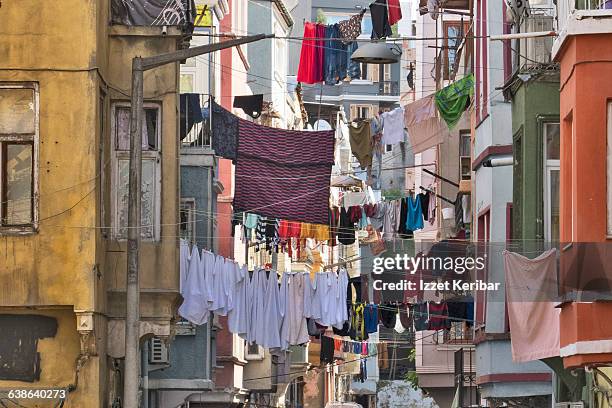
column 283, row 173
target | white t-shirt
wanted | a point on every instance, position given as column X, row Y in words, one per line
column 393, row 126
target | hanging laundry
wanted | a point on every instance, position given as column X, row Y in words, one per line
column 425, row 205
column 224, row 132
column 272, row 314
column 350, row 199
column 289, row 229
column 358, row 331
column 452, row 100
column 421, row 316
column 237, row 318
column 327, row 350
column 424, row 127
column 184, row 257
column 351, row 29
column 294, row 330
column 414, row 218
column 346, row 233
column 354, row 213
column 353, row 68
column 388, row 314
column 533, row 317
column 361, row 142
column 459, row 212
column 335, row 62
column 250, row 104
column 406, row 319
column 466, row 206
column 389, row 224
column 395, row 11
column 380, row 20
column 438, row 316
column 195, row 294
column 191, row 112
column 393, row 130
column 399, row 327
column 370, row 315
column 298, row 169
column 334, row 224
column 310, row 69
column 376, row 219
column 404, row 232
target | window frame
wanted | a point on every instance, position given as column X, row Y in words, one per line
column 446, row 25
column 608, row 167
column 252, row 356
column 22, row 138
column 191, row 218
column 549, row 165
column 467, row 134
column 147, row 155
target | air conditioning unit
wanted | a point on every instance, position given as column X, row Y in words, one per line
column 158, row 352
column 539, row 49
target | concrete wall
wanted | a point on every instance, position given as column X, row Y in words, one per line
column 534, row 103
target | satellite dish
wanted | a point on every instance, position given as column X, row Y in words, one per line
column 322, row 124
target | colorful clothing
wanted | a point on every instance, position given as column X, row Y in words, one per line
column 454, row 99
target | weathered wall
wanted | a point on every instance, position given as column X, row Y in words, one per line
column 57, row 52
column 159, row 260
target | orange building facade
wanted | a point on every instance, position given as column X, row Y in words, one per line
column 584, row 52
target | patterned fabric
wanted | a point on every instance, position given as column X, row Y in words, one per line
column 351, row 29
column 284, row 173
column 454, row 99
column 224, row 132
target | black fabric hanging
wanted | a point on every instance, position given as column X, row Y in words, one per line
column 346, row 235
column 387, row 313
column 425, row 205
column 250, row 104
column 190, row 112
column 380, row 20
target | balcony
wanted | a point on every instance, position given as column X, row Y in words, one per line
column 535, row 52
column 389, row 88
column 195, row 123
column 577, row 17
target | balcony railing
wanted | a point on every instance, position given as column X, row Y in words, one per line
column 196, row 127
column 536, row 51
column 389, row 88
column 566, row 8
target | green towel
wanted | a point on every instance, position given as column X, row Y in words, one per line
column 453, row 100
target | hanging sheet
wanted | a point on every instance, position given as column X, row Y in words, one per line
column 284, row 173
column 153, row 12
column 534, row 320
column 424, row 127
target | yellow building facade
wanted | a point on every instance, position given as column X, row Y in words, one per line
column 65, row 73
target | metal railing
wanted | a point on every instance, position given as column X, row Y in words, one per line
column 198, row 133
column 565, row 8
column 389, row 88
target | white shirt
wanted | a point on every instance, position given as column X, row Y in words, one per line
column 195, row 304
column 393, row 126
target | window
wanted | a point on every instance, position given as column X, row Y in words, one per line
column 465, row 160
column 361, row 111
column 366, row 23
column 254, row 352
column 551, row 181
column 18, row 153
column 388, row 148
column 188, row 219
column 151, row 170
column 454, row 33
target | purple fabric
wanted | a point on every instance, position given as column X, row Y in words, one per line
column 284, row 173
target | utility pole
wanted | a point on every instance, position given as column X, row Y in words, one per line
column 132, row 317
